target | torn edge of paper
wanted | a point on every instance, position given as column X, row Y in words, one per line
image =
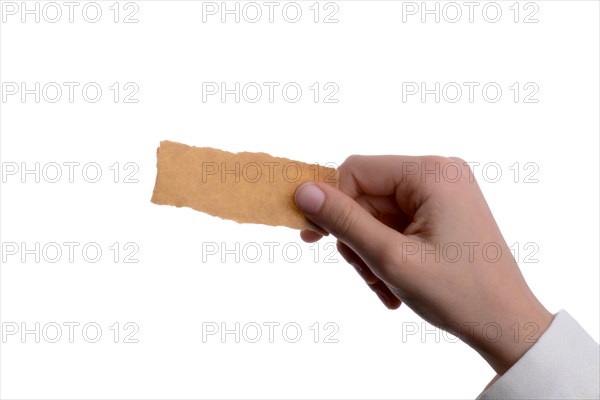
column 244, row 187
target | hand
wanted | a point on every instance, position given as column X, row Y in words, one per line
column 419, row 231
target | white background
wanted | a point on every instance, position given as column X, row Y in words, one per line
column 175, row 289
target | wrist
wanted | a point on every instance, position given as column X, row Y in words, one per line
column 503, row 345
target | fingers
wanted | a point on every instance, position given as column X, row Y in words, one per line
column 353, row 259
column 378, row 205
column 350, row 223
column 402, row 178
column 310, row 236
column 383, row 208
column 378, row 286
column 385, row 295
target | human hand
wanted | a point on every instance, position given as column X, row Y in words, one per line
column 428, row 239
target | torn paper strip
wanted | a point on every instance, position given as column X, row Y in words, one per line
column 244, row 187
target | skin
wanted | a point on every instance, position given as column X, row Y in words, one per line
column 418, row 238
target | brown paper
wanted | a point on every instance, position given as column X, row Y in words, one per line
column 244, row 187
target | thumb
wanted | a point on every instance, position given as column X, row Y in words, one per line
column 376, row 243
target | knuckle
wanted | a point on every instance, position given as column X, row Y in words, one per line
column 460, row 163
column 458, row 168
column 458, row 160
column 350, row 161
column 445, row 172
column 431, row 161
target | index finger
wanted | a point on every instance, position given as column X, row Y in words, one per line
column 398, row 176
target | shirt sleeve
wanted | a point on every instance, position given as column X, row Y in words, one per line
column 563, row 364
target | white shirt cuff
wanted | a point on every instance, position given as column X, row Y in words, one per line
column 563, row 364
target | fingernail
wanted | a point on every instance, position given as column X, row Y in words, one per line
column 383, row 296
column 309, row 198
